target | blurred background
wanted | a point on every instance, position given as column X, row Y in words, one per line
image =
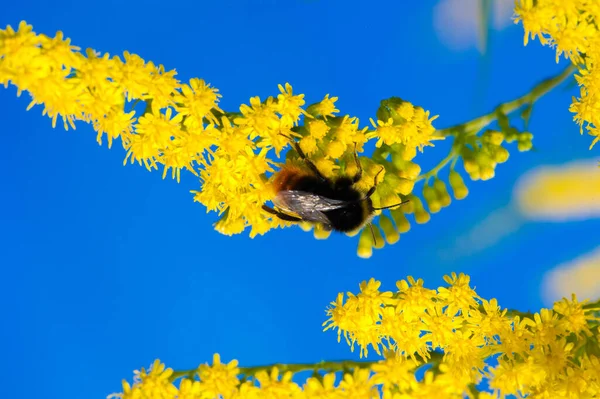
column 106, row 267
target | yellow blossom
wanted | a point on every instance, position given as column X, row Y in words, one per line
column 414, row 299
column 325, row 108
column 272, row 386
column 571, row 28
column 460, row 296
column 196, row 102
column 219, row 378
column 359, row 385
column 322, row 388
column 154, row 383
column 177, row 126
column 395, row 372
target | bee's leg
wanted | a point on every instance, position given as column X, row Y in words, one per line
column 358, row 174
column 302, row 155
column 372, row 189
column 281, row 215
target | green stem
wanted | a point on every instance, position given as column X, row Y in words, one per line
column 475, row 125
column 433, row 172
column 535, row 94
column 326, row 366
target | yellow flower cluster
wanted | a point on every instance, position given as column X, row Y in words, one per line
column 547, row 355
column 452, row 337
column 181, row 126
column 572, row 27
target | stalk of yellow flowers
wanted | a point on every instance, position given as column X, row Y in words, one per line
column 163, row 122
column 572, row 27
column 168, row 124
column 459, row 338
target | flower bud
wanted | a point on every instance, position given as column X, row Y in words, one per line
column 431, row 198
column 475, row 175
column 442, row 192
column 525, row 136
column 365, row 244
column 402, row 223
column 457, row 183
column 320, row 233
column 404, row 186
column 487, row 172
column 523, row 146
column 391, row 234
column 318, row 129
column 421, row 215
column 379, row 241
column 500, row 155
column 308, row 144
column 510, row 134
column 405, row 110
column 335, row 149
column 493, row 137
column 410, row 170
column 470, row 166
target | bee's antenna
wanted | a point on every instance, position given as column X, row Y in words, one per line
column 391, row 206
column 372, row 190
column 373, row 234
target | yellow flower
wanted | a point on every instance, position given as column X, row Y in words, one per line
column 515, row 338
column 414, row 134
column 271, row 386
column 153, row 134
column 555, row 357
column 574, row 318
column 196, row 102
column 413, row 298
column 358, row 319
column 488, row 324
column 570, row 26
column 189, row 389
column 154, row 383
column 460, row 296
column 406, row 339
column 289, row 106
column 219, row 380
column 546, row 327
column 393, row 372
column 324, row 108
column 318, row 129
column 517, row 378
column 359, row 385
column 440, row 325
column 322, row 388
column 181, row 126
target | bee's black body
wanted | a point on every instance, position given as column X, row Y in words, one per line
column 307, row 195
column 335, row 203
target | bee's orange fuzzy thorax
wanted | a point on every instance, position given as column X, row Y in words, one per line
column 287, row 177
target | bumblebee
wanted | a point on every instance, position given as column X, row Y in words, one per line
column 307, row 195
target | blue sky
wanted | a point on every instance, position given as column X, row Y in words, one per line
column 107, row 267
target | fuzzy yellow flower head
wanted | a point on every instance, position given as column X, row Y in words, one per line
column 175, row 126
column 571, row 27
column 399, row 122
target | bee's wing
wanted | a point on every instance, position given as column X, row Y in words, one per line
column 308, row 206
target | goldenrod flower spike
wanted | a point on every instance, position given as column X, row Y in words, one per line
column 167, row 124
column 451, row 331
column 572, row 28
column 164, row 123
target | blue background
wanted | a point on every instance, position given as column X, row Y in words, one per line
column 106, row 267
